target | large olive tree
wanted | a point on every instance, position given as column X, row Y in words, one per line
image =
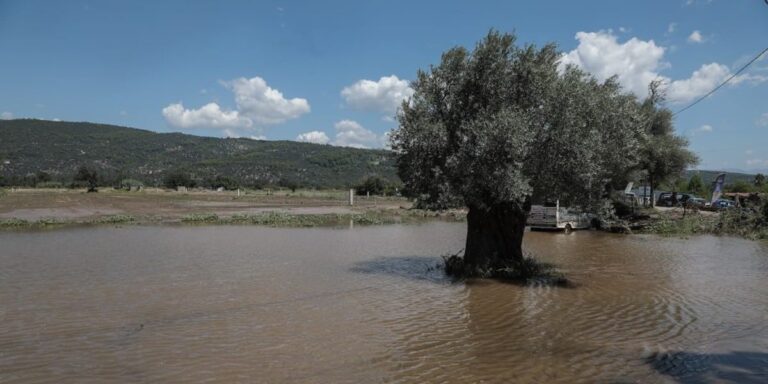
column 665, row 155
column 493, row 128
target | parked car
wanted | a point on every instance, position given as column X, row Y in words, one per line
column 697, row 202
column 667, row 199
column 723, row 204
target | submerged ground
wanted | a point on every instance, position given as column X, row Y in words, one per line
column 366, row 304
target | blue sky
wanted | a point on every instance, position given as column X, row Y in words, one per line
column 333, row 71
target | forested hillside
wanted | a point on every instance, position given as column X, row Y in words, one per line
column 56, row 150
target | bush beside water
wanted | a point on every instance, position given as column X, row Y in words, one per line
column 750, row 222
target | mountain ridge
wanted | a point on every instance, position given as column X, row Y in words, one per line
column 28, row 146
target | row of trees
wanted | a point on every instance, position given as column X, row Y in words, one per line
column 376, row 185
column 759, row 184
column 697, row 186
column 180, row 178
column 90, row 178
column 84, row 177
column 497, row 127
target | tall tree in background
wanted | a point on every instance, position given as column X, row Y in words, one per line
column 759, row 180
column 696, row 186
column 665, row 154
column 493, row 127
column 89, row 177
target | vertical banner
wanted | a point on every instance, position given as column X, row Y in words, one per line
column 718, row 189
column 628, row 189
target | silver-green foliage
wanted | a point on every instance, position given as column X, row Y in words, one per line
column 501, row 123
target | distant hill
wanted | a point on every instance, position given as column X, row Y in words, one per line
column 28, row 146
column 730, row 177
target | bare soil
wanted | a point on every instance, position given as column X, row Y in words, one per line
column 165, row 205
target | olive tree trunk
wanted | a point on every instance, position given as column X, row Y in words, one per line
column 494, row 236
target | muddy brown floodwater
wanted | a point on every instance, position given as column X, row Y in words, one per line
column 232, row 304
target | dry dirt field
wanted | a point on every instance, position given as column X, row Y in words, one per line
column 166, row 205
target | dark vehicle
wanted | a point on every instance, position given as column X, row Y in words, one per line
column 723, row 204
column 674, row 199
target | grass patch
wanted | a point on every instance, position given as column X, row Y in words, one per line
column 54, row 221
column 282, row 219
column 48, row 221
column 746, row 223
column 269, row 218
column 14, row 223
column 114, row 219
column 200, row 218
column 684, row 226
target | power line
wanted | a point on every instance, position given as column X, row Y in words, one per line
column 724, row 82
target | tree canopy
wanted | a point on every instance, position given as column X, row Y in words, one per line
column 89, row 177
column 503, row 123
column 696, row 186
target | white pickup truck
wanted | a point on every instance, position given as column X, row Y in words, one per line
column 557, row 218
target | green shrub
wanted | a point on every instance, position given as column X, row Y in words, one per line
column 47, row 221
column 89, row 177
column 178, row 178
column 14, row 223
column 200, row 218
column 225, row 182
column 114, row 219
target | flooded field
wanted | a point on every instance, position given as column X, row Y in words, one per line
column 252, row 304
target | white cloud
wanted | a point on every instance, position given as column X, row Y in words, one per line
column 671, row 28
column 757, row 162
column 637, row 62
column 701, row 81
column 762, row 121
column 695, row 37
column 316, row 137
column 749, row 152
column 232, row 134
column 350, row 133
column 692, row 2
column 748, row 78
column 207, row 116
column 384, row 139
column 6, row 116
column 257, row 105
column 384, row 95
column 706, row 128
column 263, row 104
